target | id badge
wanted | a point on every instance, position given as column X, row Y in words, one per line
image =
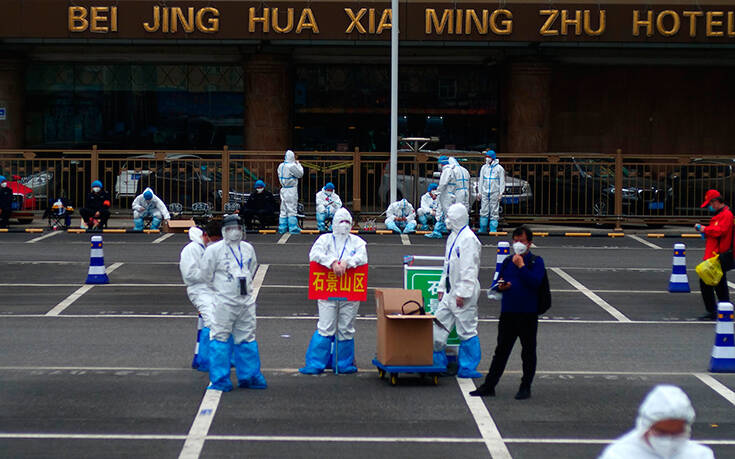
column 243, row 285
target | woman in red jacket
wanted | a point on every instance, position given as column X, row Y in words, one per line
column 718, row 235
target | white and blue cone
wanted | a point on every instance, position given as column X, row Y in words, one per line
column 723, row 352
column 97, row 273
column 679, row 282
column 503, row 253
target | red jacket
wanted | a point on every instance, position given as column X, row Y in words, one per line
column 718, row 233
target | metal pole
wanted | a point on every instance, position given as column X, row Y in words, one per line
column 394, row 101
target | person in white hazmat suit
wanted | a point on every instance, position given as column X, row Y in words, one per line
column 427, row 212
column 401, row 217
column 459, row 290
column 327, row 203
column 289, row 173
column 491, row 188
column 446, row 196
column 148, row 204
column 231, row 264
column 462, row 183
column 338, row 251
column 198, row 289
column 662, row 430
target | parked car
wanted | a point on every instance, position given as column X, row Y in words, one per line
column 689, row 183
column 24, row 203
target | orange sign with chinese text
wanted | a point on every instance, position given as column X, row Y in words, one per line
column 325, row 285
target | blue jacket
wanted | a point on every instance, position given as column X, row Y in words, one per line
column 525, row 282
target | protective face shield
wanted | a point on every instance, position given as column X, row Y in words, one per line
column 342, row 222
column 668, row 445
column 96, row 189
column 519, row 248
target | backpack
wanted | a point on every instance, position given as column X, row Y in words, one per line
column 544, row 290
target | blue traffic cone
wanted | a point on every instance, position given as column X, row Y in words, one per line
column 503, row 253
column 723, row 352
column 97, row 273
column 679, row 282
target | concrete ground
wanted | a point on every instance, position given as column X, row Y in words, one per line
column 104, row 370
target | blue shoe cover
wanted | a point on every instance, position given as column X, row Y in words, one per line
column 393, row 227
column 469, row 358
column 346, row 357
column 138, row 224
column 318, row 354
column 493, row 226
column 155, row 223
column 293, row 225
column 247, row 366
column 320, row 221
column 440, row 359
column 202, row 358
column 282, row 225
column 410, row 228
column 435, row 234
column 219, row 365
column 483, row 224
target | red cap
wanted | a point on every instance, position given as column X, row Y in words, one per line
column 709, row 196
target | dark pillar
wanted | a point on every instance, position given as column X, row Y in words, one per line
column 528, row 107
column 12, row 99
column 268, row 101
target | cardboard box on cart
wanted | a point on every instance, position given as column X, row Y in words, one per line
column 403, row 339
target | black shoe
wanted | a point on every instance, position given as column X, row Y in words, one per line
column 708, row 316
column 483, row 391
column 523, row 393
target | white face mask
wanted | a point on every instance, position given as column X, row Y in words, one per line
column 668, row 445
column 342, row 228
column 328, row 193
column 259, row 190
column 232, row 234
column 96, row 189
column 4, row 184
column 519, row 248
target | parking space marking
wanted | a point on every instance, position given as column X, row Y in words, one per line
column 284, row 238
column 45, row 236
column 644, row 242
column 717, row 386
column 66, row 302
column 591, row 295
column 200, row 427
column 488, row 430
column 731, row 284
column 162, row 238
column 405, row 240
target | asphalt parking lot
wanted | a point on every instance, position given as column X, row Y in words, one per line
column 105, row 370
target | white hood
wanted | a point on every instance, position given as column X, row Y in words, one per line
column 457, row 217
column 453, row 161
column 195, row 235
column 341, row 214
column 664, row 402
column 290, row 156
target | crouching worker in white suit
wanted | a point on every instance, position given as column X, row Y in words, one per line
column 198, row 289
column 459, row 290
column 149, row 205
column 338, row 251
column 231, row 266
column 662, row 430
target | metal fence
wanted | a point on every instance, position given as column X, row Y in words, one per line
column 570, row 187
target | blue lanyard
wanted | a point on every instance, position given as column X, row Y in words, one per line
column 334, row 241
column 452, row 248
column 241, row 261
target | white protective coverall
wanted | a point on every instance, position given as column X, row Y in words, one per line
column 663, row 402
column 327, row 203
column 446, row 189
column 459, row 279
column 200, row 293
column 401, row 217
column 154, row 207
column 491, row 188
column 429, row 206
column 462, row 183
column 289, row 173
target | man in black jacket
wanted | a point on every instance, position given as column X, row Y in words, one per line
column 96, row 211
column 6, row 202
column 260, row 204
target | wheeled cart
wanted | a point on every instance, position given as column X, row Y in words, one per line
column 392, row 371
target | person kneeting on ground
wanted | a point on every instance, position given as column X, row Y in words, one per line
column 519, row 280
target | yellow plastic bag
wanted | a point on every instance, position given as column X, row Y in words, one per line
column 710, row 271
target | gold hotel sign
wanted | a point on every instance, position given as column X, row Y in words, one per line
column 352, row 20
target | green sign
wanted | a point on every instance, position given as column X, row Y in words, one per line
column 426, row 279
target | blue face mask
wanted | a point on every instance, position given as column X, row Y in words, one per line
column 711, row 209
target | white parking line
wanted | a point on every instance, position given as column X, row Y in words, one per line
column 66, row 302
column 405, row 240
column 717, row 386
column 644, row 242
column 284, row 238
column 731, row 284
column 200, row 427
column 592, row 296
column 162, row 238
column 488, row 430
column 45, row 236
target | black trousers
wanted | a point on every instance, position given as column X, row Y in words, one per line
column 510, row 327
column 264, row 216
column 5, row 217
column 708, row 294
column 89, row 213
